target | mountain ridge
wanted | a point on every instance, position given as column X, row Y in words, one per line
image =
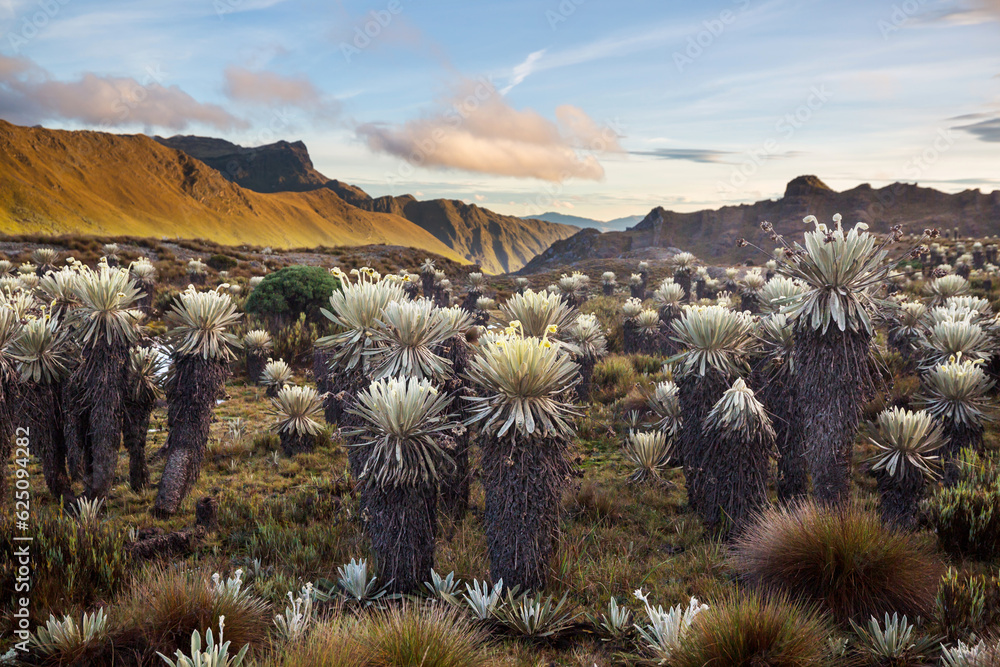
column 617, row 224
column 499, row 243
column 711, row 234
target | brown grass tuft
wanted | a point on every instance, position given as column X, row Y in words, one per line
column 841, row 559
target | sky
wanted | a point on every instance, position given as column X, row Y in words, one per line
column 596, row 108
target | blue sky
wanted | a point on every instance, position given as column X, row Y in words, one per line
column 588, row 107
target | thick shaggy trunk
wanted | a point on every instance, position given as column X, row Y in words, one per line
column 749, row 302
column 197, row 383
column 95, row 417
column 7, row 426
column 668, row 314
column 734, row 480
column 697, row 395
column 900, row 497
column 427, row 280
column 42, row 408
column 471, row 298
column 134, row 432
column 324, row 383
column 145, row 304
column 832, row 371
column 455, row 482
column 609, row 290
column 296, row 443
column 401, row 525
column 637, row 291
column 583, row 387
column 630, row 337
column 777, row 395
column 344, row 389
column 524, row 483
column 256, row 361
column 683, row 278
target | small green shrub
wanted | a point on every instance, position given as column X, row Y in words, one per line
column 613, row 378
column 294, row 341
column 222, row 262
column 163, row 300
column 646, row 364
column 74, row 565
column 967, row 605
column 291, row 291
column 749, row 629
column 966, row 516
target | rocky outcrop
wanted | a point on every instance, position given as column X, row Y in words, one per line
column 498, row 243
column 712, row 234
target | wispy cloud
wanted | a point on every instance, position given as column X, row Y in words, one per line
column 962, row 12
column 985, row 130
column 475, row 129
column 523, row 70
column 31, row 94
column 269, row 88
column 702, row 155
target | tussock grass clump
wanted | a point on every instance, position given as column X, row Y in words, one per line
column 428, row 635
column 333, row 643
column 841, row 559
column 163, row 606
column 748, row 629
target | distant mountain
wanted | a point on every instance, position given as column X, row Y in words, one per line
column 81, row 182
column 498, row 243
column 618, row 224
column 712, row 234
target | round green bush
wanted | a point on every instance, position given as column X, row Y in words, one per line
column 222, row 262
column 293, row 290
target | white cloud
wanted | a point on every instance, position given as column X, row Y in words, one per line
column 523, row 70
column 475, row 129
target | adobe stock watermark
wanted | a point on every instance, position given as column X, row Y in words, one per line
column 133, row 96
column 33, row 23
column 913, row 169
column 455, row 116
column 22, row 539
column 785, row 128
column 223, row 7
column 899, row 14
column 712, row 30
column 545, row 201
column 563, row 11
column 369, row 31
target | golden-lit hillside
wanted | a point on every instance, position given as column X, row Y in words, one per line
column 105, row 184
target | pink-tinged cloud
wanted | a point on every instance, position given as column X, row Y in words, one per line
column 271, row 88
column 475, row 129
column 29, row 94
